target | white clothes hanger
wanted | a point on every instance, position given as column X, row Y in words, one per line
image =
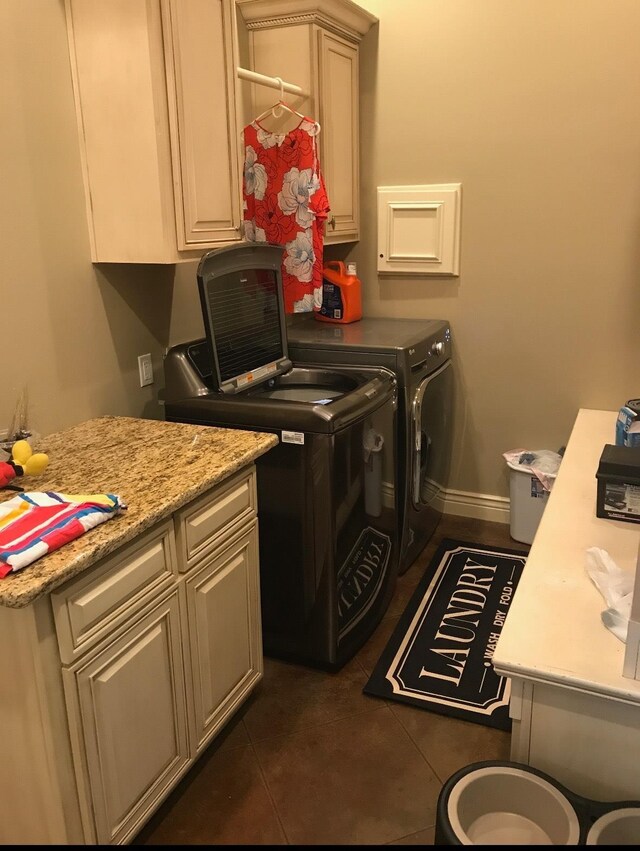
column 276, row 109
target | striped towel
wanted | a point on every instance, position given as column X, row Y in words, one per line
column 33, row 524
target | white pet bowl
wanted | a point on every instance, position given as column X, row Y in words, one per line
column 504, row 805
column 617, row 827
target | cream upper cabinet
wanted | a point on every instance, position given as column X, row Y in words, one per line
column 314, row 44
column 154, row 87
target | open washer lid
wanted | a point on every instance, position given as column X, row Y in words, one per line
column 240, row 291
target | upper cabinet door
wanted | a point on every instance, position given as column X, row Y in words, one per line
column 339, row 144
column 154, row 86
column 200, row 61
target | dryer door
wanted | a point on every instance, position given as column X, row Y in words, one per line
column 431, row 432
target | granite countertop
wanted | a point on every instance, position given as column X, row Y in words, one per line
column 154, row 466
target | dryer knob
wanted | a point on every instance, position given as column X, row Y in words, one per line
column 438, row 348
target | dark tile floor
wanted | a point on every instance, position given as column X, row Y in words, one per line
column 309, row 759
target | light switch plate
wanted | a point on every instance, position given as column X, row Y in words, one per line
column 145, row 370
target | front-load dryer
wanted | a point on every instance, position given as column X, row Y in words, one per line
column 327, row 494
column 418, row 352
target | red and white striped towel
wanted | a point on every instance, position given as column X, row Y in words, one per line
column 33, row 524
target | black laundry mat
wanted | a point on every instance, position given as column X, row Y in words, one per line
column 439, row 656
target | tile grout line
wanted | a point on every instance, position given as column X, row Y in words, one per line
column 266, row 783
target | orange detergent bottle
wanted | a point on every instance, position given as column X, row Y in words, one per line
column 341, row 294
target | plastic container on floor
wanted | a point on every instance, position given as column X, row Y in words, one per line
column 528, row 500
column 532, row 475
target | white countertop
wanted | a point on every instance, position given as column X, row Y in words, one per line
column 554, row 631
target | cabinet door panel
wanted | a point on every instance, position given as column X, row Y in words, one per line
column 129, row 699
column 119, row 82
column 339, row 143
column 225, row 632
column 201, row 63
column 586, row 741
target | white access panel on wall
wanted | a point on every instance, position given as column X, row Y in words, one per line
column 419, row 229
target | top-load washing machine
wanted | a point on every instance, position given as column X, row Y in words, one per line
column 327, row 495
column 419, row 354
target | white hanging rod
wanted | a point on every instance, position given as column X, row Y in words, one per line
column 272, row 82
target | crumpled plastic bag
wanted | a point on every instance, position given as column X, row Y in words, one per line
column 616, row 586
column 542, row 463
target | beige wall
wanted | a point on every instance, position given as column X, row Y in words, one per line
column 532, row 105
column 71, row 331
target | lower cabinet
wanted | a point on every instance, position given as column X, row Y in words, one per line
column 128, row 717
column 225, row 638
column 120, row 678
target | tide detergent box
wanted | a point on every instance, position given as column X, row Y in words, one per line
column 628, row 425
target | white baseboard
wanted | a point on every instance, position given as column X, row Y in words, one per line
column 480, row 506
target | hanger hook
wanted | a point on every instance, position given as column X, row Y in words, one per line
column 281, row 85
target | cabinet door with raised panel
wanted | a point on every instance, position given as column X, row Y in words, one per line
column 154, row 86
column 200, row 59
column 225, row 632
column 339, row 141
column 128, row 718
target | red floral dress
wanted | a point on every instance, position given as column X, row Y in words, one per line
column 285, row 203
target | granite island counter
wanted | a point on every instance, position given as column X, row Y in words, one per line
column 156, row 467
column 129, row 648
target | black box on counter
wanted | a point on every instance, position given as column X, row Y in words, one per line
column 618, row 478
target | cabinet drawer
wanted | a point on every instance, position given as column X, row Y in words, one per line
column 205, row 523
column 98, row 601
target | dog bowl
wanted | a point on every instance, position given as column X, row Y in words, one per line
column 617, row 827
column 501, row 803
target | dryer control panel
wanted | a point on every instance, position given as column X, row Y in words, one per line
column 428, row 354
